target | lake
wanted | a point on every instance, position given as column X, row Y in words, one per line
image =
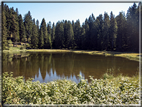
column 47, row 67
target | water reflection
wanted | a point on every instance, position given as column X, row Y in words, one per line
column 50, row 66
column 51, row 76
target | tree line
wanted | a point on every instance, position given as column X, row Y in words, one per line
column 105, row 32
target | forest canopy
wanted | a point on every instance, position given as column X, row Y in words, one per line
column 104, row 32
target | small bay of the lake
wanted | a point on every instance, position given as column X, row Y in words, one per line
column 45, row 67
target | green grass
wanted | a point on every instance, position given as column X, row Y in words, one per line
column 14, row 50
column 114, row 90
column 131, row 56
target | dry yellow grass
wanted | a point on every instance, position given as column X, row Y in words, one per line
column 131, row 56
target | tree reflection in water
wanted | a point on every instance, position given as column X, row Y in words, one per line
column 50, row 66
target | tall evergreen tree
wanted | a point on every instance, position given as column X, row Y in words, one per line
column 77, row 36
column 132, row 28
column 34, row 38
column 91, row 32
column 8, row 15
column 15, row 26
column 85, row 39
column 68, row 35
column 49, row 34
column 37, row 24
column 43, row 39
column 106, row 31
column 4, row 30
column 28, row 26
column 99, row 32
column 121, row 40
column 59, row 35
column 112, row 32
column 82, row 34
column 53, row 35
column 21, row 29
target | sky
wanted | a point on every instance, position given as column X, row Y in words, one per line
column 55, row 12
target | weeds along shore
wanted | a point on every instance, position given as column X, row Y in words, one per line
column 107, row 90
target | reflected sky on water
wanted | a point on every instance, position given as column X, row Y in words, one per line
column 45, row 67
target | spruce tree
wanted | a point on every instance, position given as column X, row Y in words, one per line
column 44, row 39
column 90, row 35
column 68, row 35
column 132, row 29
column 4, row 30
column 49, row 34
column 121, row 40
column 21, row 29
column 28, row 26
column 106, row 31
column 112, row 32
column 53, row 35
column 59, row 35
column 34, row 38
column 77, row 36
column 14, row 26
column 38, row 31
column 41, row 39
column 85, row 39
column 8, row 15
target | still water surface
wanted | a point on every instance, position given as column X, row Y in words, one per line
column 47, row 67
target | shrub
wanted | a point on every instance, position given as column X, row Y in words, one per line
column 22, row 47
column 98, row 91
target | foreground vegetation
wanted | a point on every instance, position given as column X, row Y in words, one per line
column 108, row 90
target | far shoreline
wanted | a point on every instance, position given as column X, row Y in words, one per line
column 128, row 55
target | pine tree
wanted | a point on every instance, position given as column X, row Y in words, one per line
column 37, row 24
column 38, row 31
column 8, row 15
column 121, row 40
column 34, row 38
column 53, row 35
column 49, row 34
column 21, row 29
column 59, row 35
column 77, row 36
column 43, row 39
column 85, row 40
column 14, row 25
column 68, row 35
column 91, row 32
column 82, row 37
column 4, row 30
column 112, row 32
column 28, row 26
column 106, row 31
column 99, row 26
column 132, row 28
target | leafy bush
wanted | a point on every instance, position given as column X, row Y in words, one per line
column 22, row 47
column 9, row 42
column 98, row 91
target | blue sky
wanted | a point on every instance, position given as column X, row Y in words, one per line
column 55, row 12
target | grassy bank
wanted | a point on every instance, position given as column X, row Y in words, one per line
column 14, row 50
column 108, row 90
column 131, row 56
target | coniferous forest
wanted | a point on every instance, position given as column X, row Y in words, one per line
column 104, row 32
